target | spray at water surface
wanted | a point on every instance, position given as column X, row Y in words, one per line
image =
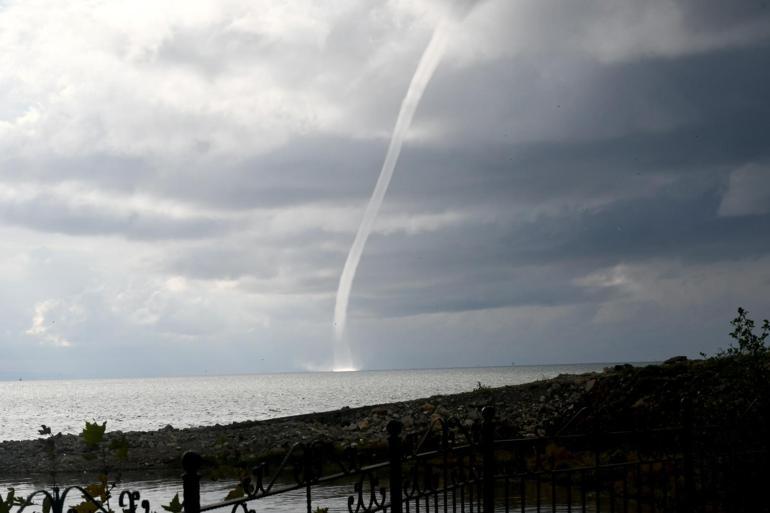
column 425, row 69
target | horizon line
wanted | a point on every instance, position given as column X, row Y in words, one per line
column 330, row 371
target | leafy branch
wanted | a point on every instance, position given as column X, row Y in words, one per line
column 10, row 501
column 748, row 343
column 49, row 445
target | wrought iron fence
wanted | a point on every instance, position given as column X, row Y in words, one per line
column 455, row 467
column 463, row 467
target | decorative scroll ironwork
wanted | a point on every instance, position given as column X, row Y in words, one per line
column 55, row 501
column 128, row 500
column 370, row 498
column 306, row 463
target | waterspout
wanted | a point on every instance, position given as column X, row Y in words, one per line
column 425, row 69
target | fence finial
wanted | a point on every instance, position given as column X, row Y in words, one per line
column 394, row 427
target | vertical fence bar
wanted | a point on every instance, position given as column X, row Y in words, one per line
column 687, row 453
column 395, row 456
column 638, row 480
column 488, row 455
column 553, row 491
column 445, row 461
column 507, row 493
column 191, row 482
column 625, row 489
column 538, row 485
column 596, row 442
column 664, row 479
column 307, row 471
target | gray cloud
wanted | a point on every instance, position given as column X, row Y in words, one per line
column 582, row 182
column 76, row 211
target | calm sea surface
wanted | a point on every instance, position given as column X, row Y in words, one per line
column 146, row 404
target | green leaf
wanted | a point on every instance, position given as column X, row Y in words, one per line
column 174, row 506
column 97, row 491
column 44, row 430
column 119, row 447
column 46, row 505
column 86, row 507
column 93, row 433
column 11, row 500
column 21, row 502
column 235, row 493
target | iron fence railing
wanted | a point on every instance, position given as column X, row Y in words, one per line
column 463, row 467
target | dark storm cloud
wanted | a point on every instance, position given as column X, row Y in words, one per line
column 721, row 107
column 708, row 15
column 540, row 263
column 563, row 101
column 685, row 229
column 478, row 283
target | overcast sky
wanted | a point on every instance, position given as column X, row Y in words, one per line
column 180, row 182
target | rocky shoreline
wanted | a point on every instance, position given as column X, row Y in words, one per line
column 622, row 395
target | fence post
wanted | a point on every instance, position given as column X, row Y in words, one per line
column 687, row 454
column 191, row 482
column 395, row 456
column 596, row 443
column 488, row 458
column 308, row 475
column 445, row 461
